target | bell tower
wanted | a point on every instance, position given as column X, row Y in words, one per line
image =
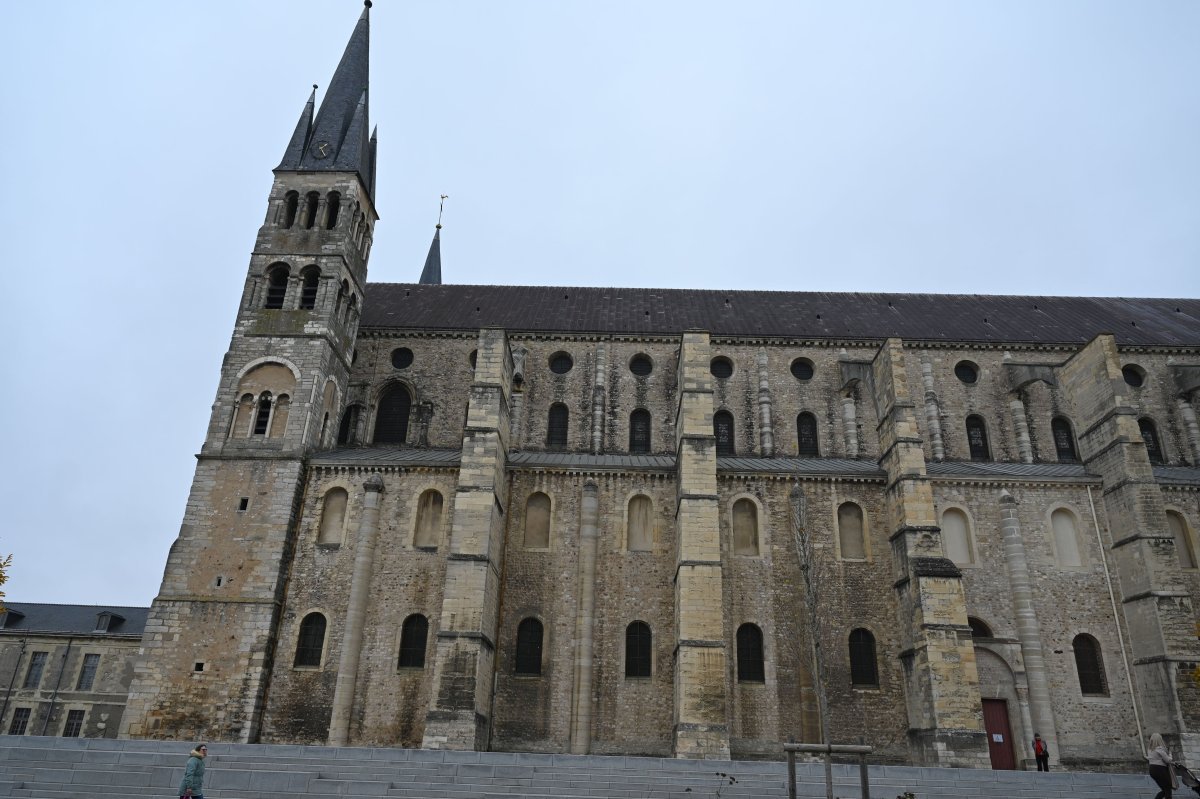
column 211, row 636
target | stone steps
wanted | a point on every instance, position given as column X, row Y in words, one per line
column 50, row 768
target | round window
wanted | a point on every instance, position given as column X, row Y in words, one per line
column 721, row 368
column 641, row 365
column 402, row 357
column 802, row 369
column 966, row 372
column 561, row 363
column 1134, row 375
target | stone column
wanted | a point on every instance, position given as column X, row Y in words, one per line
column 356, row 613
column 701, row 703
column 933, row 413
column 585, row 619
column 1188, row 414
column 1021, row 428
column 1154, row 599
column 464, row 662
column 850, row 421
column 1028, row 631
column 945, row 717
column 766, row 436
column 598, row 400
column 517, row 419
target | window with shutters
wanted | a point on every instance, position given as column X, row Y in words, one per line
column 277, row 281
column 413, row 637
column 556, row 427
column 311, row 642
column 723, row 430
column 529, row 647
column 864, row 670
column 806, row 433
column 750, row 654
column 1150, row 436
column 291, row 204
column 638, row 650
column 1064, row 440
column 1090, row 665
column 311, row 280
column 391, row 420
column 977, row 439
column 639, row 432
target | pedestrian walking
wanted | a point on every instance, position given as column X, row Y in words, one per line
column 1162, row 768
column 192, row 786
column 1041, row 753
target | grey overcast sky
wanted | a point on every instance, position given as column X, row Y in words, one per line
column 1005, row 147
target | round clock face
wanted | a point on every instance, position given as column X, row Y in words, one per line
column 322, row 149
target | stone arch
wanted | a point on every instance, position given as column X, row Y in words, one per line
column 1061, row 535
column 263, row 399
column 956, row 550
column 998, row 680
column 849, row 539
column 393, row 404
column 334, row 506
column 429, row 518
column 640, row 532
column 746, row 525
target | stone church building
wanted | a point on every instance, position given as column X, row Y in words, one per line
column 564, row 519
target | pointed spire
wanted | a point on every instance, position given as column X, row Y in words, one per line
column 432, row 273
column 336, row 138
column 295, row 149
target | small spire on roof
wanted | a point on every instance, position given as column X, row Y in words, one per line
column 431, row 275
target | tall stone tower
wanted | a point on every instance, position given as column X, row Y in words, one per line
column 211, row 636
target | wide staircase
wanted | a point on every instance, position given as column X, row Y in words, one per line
column 58, row 768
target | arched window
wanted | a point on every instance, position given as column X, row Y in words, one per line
column 977, row 439
column 429, row 519
column 333, row 517
column 1183, row 540
column 1064, row 440
column 277, row 280
column 291, row 203
column 640, row 524
column 750, row 654
column 1150, row 436
column 956, row 536
column 979, row 629
column 1066, row 538
column 308, row 291
column 850, row 532
column 279, row 418
column 348, row 429
column 262, row 414
column 333, row 204
column 342, row 296
column 864, row 670
column 529, row 647
column 413, row 636
column 638, row 650
column 806, row 433
column 391, row 420
column 745, row 527
column 351, row 308
column 1090, row 665
column 556, row 427
column 311, row 641
column 311, row 200
column 723, row 430
column 639, row 432
column 537, row 521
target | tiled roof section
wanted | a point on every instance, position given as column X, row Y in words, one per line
column 73, row 619
column 802, row 467
column 387, row 456
column 1025, row 471
column 587, row 462
column 792, row 314
column 1178, row 475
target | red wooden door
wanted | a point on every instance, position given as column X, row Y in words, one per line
column 1000, row 743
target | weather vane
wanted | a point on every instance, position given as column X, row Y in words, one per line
column 441, row 207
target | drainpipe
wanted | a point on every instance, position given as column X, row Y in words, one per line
column 12, row 682
column 54, row 696
column 1112, row 598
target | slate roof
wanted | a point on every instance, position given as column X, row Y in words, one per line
column 73, row 619
column 583, row 460
column 1177, row 475
column 387, row 456
column 791, row 314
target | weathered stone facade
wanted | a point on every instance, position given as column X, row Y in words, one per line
column 564, row 520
